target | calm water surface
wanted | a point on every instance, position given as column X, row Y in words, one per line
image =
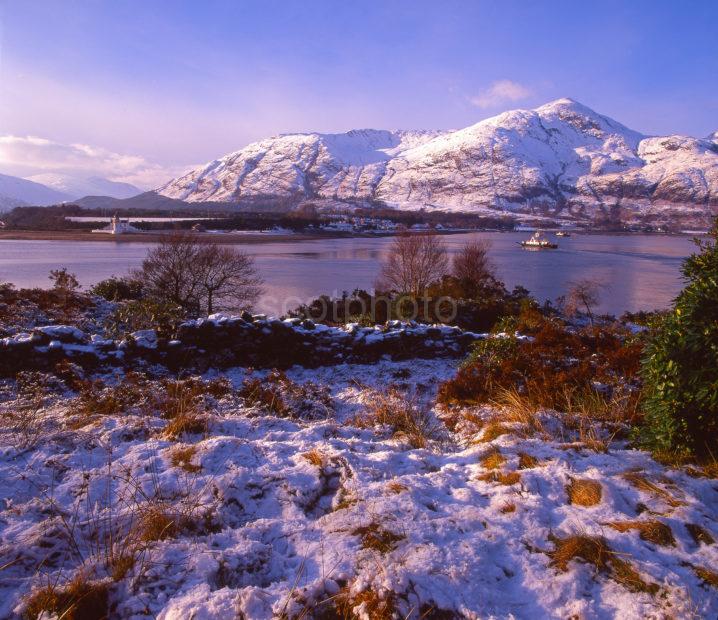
column 641, row 272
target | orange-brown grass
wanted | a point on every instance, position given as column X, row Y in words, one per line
column 314, row 457
column 594, row 550
column 370, row 603
column 707, row 576
column 156, row 523
column 493, row 460
column 652, row 531
column 375, row 537
column 79, row 600
column 507, row 508
column 265, row 394
column 583, row 492
column 182, row 456
column 191, row 424
column 396, row 487
column 405, row 415
column 639, row 480
column 505, row 478
column 526, row 461
column 493, row 430
column 555, row 370
column 699, row 534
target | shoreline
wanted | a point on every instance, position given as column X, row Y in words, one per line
column 250, row 238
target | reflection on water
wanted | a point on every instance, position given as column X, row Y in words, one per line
column 640, row 271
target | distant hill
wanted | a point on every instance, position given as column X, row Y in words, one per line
column 18, row 192
column 78, row 187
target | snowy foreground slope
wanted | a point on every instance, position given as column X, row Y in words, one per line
column 317, row 516
column 561, row 159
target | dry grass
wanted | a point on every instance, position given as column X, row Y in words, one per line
column 366, row 604
column 583, row 492
column 157, row 523
column 505, row 478
column 518, row 407
column 508, row 508
column 396, row 487
column 639, row 480
column 186, row 424
column 526, row 461
column 314, row 457
column 78, row 600
column 706, row 576
column 595, row 551
column 407, row 417
column 375, row 537
column 493, row 430
column 699, row 534
column 182, row 457
column 652, row 531
column 493, row 460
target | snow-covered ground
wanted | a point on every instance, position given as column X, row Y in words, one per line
column 263, row 516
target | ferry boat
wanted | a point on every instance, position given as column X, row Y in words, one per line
column 538, row 242
column 563, row 233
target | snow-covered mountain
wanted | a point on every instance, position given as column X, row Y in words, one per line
column 78, row 187
column 18, row 192
column 561, row 159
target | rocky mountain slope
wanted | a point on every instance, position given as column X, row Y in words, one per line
column 561, row 160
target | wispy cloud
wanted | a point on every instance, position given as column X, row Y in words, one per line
column 31, row 155
column 499, row 93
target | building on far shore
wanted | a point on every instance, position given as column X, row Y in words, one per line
column 117, row 226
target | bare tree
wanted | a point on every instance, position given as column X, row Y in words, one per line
column 199, row 275
column 227, row 277
column 584, row 293
column 413, row 263
column 473, row 267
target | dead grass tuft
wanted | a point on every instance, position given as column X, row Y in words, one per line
column 405, row 415
column 583, row 492
column 639, row 480
column 507, row 508
column 706, row 576
column 595, row 551
column 505, row 478
column 157, row 523
column 79, row 600
column 526, row 461
column 699, row 534
column 493, row 460
column 494, row 430
column 375, row 537
column 377, row 605
column 396, row 487
column 314, row 457
column 187, row 424
column 652, row 531
column 182, row 456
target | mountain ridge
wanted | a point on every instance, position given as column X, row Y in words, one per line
column 560, row 160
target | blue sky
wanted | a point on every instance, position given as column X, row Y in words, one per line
column 151, row 87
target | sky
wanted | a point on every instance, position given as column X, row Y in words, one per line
column 139, row 91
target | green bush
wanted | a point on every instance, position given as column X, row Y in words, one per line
column 680, row 365
column 145, row 314
column 118, row 289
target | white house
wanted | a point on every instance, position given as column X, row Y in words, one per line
column 118, row 227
